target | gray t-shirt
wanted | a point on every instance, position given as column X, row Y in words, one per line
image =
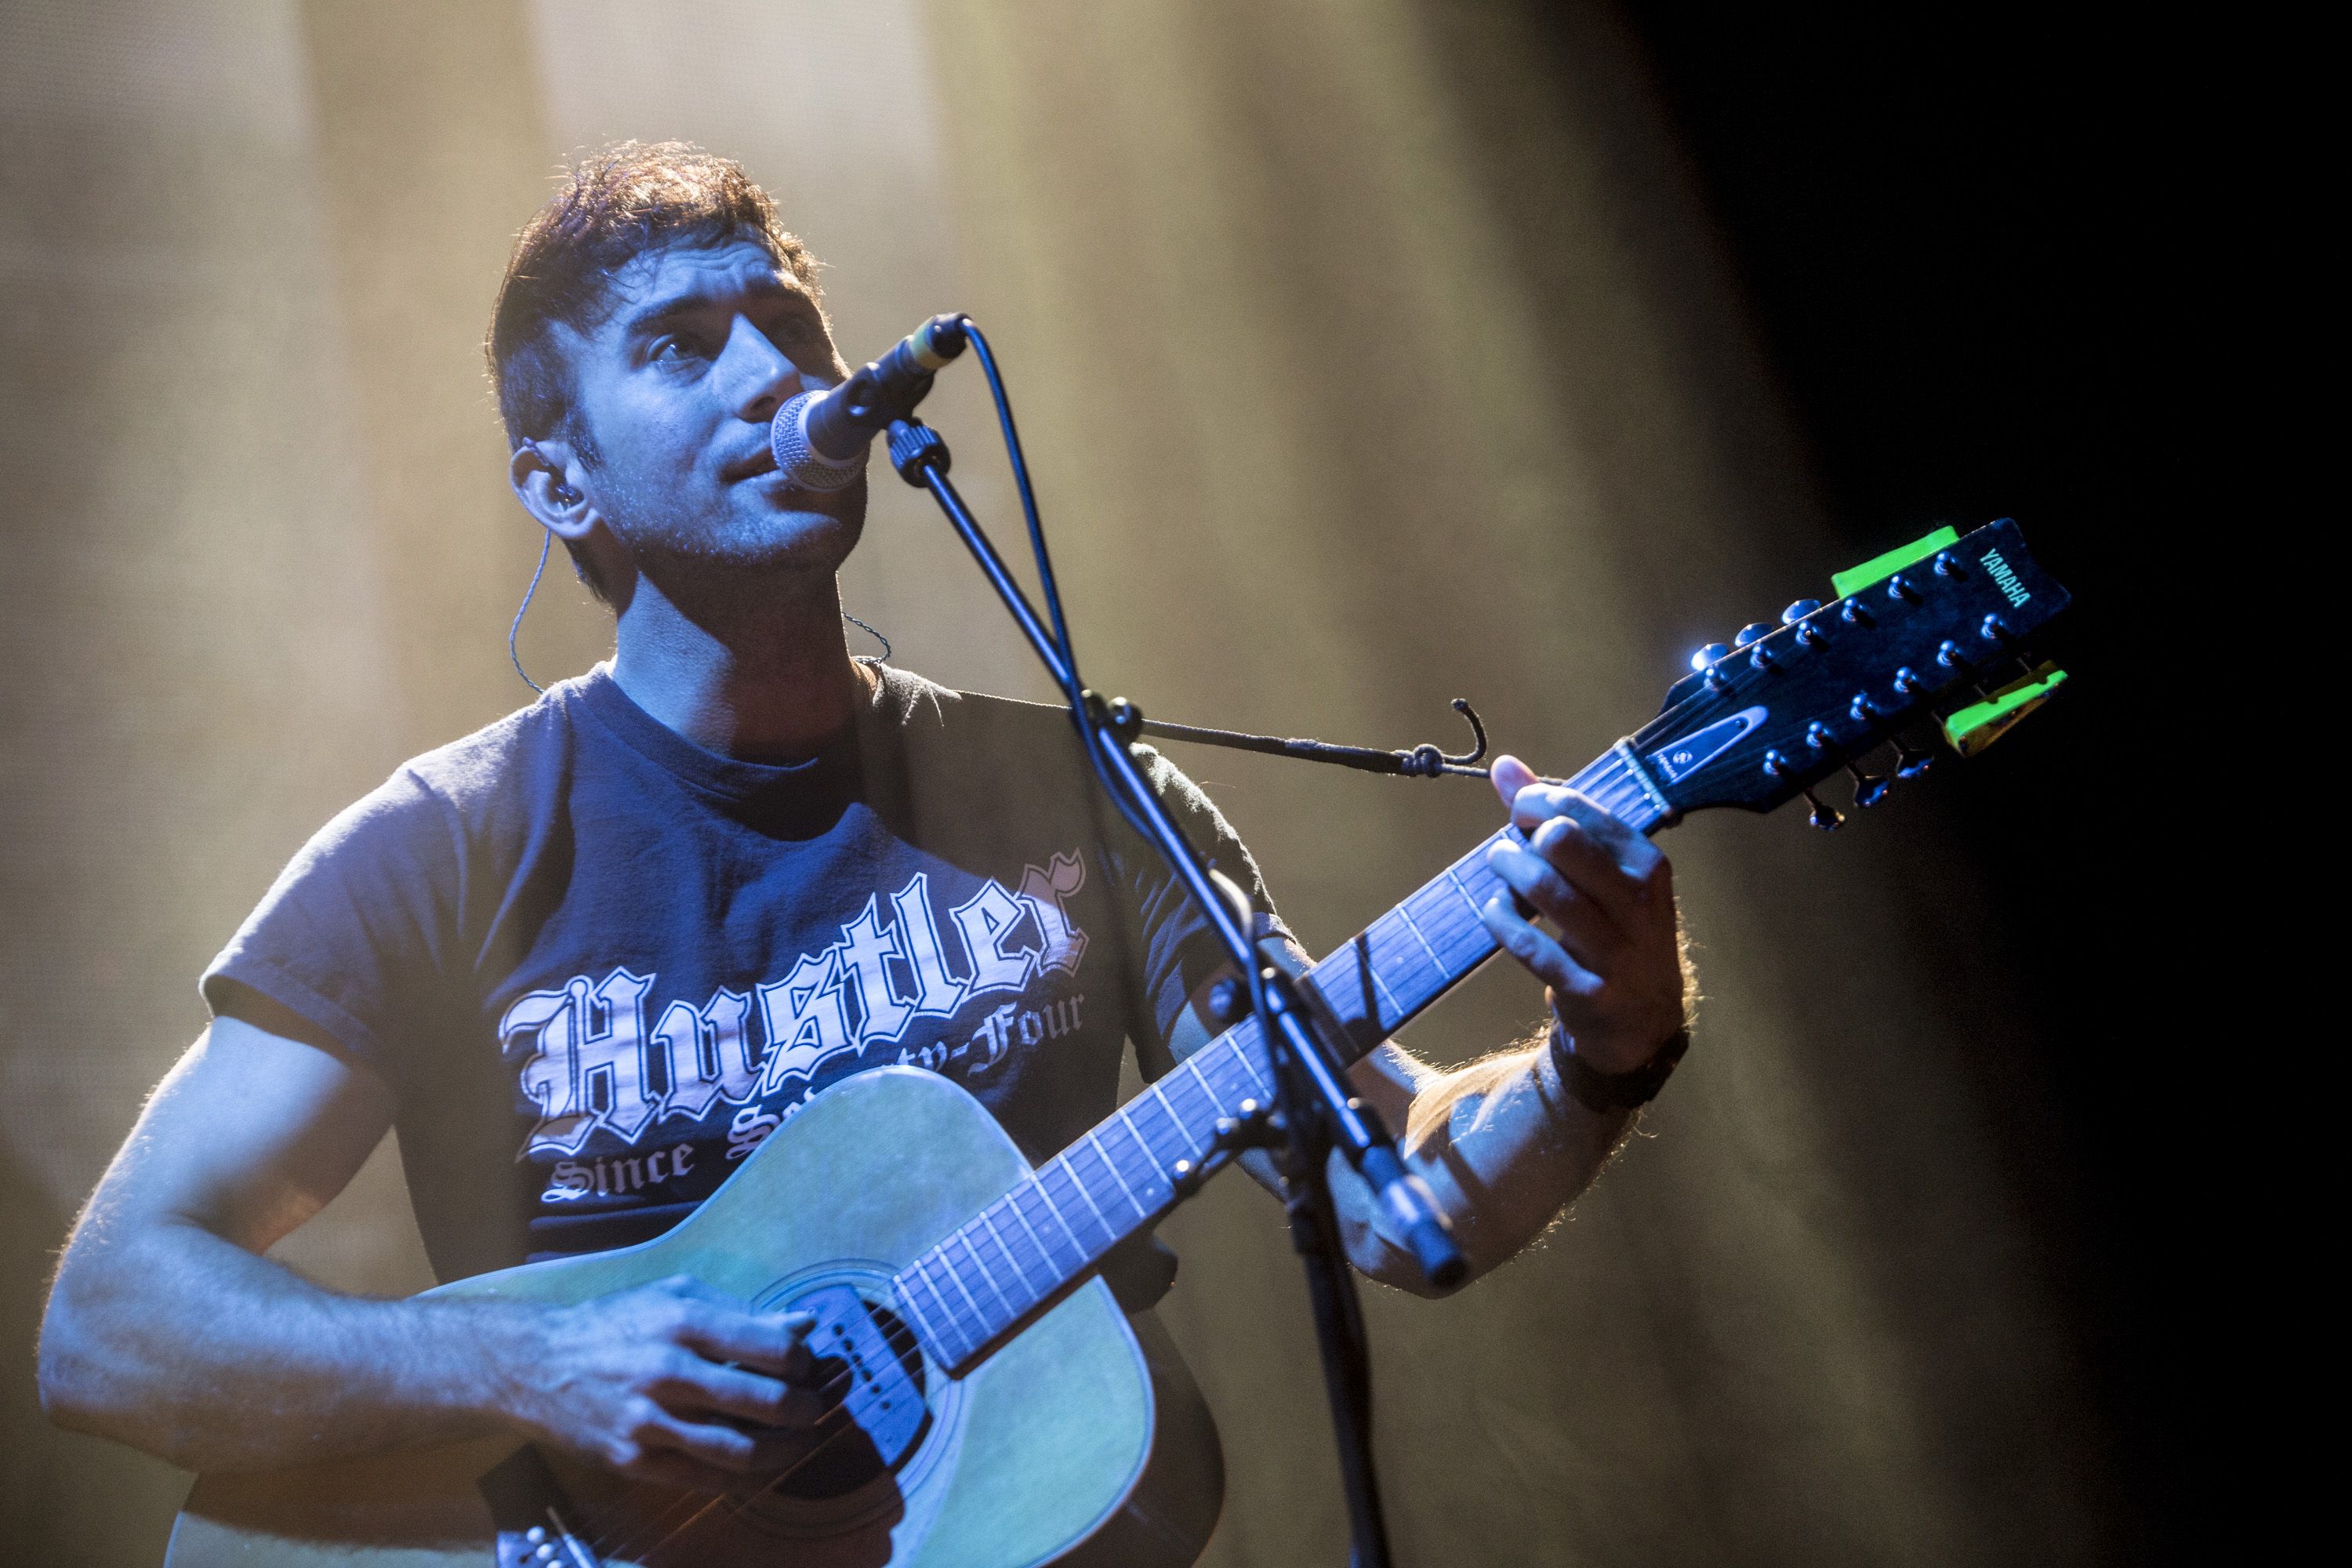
column 599, row 963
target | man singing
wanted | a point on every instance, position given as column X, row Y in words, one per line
column 586, row 959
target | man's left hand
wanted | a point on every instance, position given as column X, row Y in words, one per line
column 1613, row 969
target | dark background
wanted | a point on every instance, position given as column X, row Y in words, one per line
column 1941, row 221
column 1368, row 356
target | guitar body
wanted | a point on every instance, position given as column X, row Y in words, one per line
column 1074, row 1442
column 1077, row 1435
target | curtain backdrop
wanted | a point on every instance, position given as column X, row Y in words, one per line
column 1370, row 355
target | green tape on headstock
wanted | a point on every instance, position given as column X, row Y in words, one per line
column 1878, row 568
column 1971, row 729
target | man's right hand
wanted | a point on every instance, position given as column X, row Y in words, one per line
column 167, row 1330
column 673, row 1383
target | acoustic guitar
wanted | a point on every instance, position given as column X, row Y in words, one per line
column 991, row 1406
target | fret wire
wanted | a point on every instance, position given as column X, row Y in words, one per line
column 1233, row 1063
column 1059, row 1218
column 1392, row 949
column 1467, row 949
column 1475, row 865
column 953, row 1343
column 1339, row 980
column 1102, row 1149
column 1448, row 900
column 1183, row 1136
column 1089, row 1181
column 1148, row 1162
column 1411, row 991
column 1192, row 1066
column 987, row 1228
column 1382, row 941
column 1433, row 904
column 971, row 1230
column 1019, row 1272
column 1395, row 1006
column 979, row 1258
column 1179, row 1087
column 1454, row 880
column 1441, row 924
column 985, row 1276
column 1466, row 940
column 1258, row 1081
column 910, row 1306
column 1196, row 1136
column 1136, row 1163
column 1070, row 1170
column 923, row 1267
column 1054, row 1270
column 1414, row 926
column 956, row 1277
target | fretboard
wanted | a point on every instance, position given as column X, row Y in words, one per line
column 1024, row 1252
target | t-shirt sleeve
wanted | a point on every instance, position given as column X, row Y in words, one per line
column 1179, row 948
column 358, row 934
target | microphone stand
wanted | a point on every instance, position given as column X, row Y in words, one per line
column 1315, row 1114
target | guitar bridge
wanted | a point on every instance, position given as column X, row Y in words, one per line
column 538, row 1525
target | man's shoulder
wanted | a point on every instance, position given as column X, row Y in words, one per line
column 924, row 709
column 491, row 775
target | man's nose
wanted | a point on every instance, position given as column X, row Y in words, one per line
column 757, row 377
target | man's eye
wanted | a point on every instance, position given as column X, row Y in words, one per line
column 678, row 348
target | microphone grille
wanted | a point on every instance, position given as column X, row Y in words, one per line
column 801, row 463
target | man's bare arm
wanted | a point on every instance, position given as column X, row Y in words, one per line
column 167, row 1330
column 1502, row 1144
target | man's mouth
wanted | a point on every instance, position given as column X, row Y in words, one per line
column 763, row 461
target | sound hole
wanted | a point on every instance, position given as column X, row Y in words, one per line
column 872, row 1371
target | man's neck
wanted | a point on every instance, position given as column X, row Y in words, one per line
column 765, row 678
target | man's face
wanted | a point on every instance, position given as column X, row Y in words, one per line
column 677, row 387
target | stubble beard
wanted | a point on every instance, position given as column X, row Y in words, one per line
column 691, row 560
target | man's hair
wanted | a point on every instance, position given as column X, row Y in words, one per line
column 627, row 201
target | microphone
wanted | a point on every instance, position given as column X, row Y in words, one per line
column 820, row 437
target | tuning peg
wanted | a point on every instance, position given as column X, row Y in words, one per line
column 1947, row 564
column 1709, row 655
column 1909, row 761
column 1750, row 633
column 1898, row 587
column 1868, row 791
column 1827, row 820
column 1855, row 615
column 1799, row 611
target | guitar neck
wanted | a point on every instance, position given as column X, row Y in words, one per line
column 990, row 1278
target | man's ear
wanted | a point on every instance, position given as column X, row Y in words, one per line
column 553, row 485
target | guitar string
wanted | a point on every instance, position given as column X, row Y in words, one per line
column 1605, row 776
column 736, row 1507
column 843, row 1428
column 1604, row 779
column 637, row 1540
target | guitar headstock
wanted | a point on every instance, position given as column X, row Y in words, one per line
column 1941, row 627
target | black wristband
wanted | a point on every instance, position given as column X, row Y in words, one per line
column 1601, row 1093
